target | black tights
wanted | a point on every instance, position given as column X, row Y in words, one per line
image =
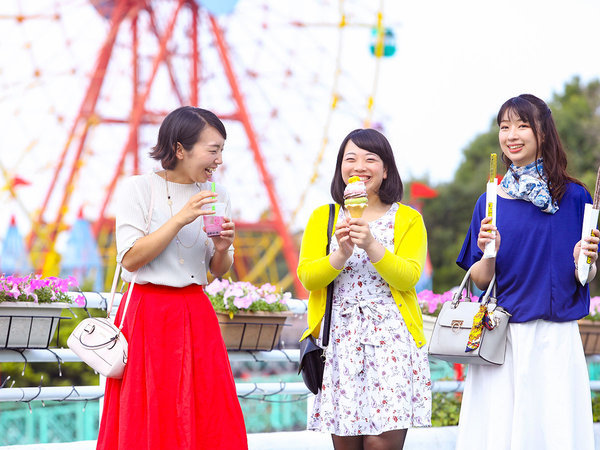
column 390, row 440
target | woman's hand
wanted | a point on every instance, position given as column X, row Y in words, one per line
column 486, row 234
column 589, row 246
column 360, row 235
column 193, row 208
column 345, row 246
column 224, row 240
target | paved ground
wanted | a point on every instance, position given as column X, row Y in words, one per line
column 441, row 438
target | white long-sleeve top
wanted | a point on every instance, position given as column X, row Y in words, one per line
column 132, row 212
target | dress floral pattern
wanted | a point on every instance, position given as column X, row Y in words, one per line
column 376, row 379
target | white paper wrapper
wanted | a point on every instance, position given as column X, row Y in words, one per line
column 590, row 220
column 491, row 198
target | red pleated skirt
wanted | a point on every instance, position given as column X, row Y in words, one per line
column 177, row 391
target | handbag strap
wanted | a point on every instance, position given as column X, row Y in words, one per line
column 113, row 288
column 329, row 302
column 466, row 284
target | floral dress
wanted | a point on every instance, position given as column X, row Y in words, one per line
column 376, row 379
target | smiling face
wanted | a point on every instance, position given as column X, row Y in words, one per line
column 198, row 164
column 517, row 139
column 364, row 164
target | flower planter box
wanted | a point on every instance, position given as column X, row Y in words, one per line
column 28, row 324
column 428, row 323
column 252, row 331
column 590, row 336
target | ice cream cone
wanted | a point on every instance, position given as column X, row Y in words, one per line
column 356, row 211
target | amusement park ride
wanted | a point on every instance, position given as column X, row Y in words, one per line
column 265, row 249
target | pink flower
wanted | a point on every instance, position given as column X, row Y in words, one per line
column 595, row 305
column 270, row 298
column 216, row 286
column 80, row 300
column 14, row 291
column 233, row 291
column 269, row 288
column 243, row 302
column 35, row 288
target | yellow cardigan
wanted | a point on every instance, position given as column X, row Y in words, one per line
column 401, row 270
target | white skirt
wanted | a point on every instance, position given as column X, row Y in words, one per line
column 539, row 399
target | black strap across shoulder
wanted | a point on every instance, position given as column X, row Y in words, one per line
column 328, row 304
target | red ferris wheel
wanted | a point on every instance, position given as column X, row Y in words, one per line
column 153, row 57
column 122, row 13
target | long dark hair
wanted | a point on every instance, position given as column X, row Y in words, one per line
column 183, row 126
column 391, row 189
column 538, row 115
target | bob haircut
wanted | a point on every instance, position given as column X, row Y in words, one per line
column 391, row 189
column 536, row 113
column 183, row 126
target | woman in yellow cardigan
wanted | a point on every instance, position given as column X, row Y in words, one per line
column 376, row 382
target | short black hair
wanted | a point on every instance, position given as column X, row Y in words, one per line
column 183, row 126
column 391, row 189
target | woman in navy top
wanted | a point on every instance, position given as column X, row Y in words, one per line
column 540, row 397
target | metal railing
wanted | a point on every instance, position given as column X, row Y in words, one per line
column 96, row 300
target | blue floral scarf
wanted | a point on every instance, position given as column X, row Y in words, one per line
column 525, row 183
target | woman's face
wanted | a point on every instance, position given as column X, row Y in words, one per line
column 366, row 165
column 198, row 164
column 517, row 140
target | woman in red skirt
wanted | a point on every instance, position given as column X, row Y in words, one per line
column 177, row 391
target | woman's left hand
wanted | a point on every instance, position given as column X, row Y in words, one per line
column 360, row 233
column 225, row 239
column 589, row 246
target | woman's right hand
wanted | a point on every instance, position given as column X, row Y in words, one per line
column 193, row 208
column 345, row 246
column 486, row 234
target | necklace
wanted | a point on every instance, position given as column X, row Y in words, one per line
column 177, row 240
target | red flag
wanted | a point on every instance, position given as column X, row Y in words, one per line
column 17, row 181
column 420, row 190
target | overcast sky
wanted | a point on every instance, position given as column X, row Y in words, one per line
column 459, row 61
column 455, row 64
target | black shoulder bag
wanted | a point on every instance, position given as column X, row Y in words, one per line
column 312, row 357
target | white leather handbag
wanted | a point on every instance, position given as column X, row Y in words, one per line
column 455, row 321
column 99, row 342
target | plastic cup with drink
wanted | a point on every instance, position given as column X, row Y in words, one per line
column 213, row 223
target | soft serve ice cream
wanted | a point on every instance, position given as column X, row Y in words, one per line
column 355, row 197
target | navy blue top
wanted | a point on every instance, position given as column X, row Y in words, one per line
column 535, row 272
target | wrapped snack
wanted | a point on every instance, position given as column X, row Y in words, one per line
column 590, row 221
column 355, row 197
column 491, row 200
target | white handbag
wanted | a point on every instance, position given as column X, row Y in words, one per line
column 99, row 342
column 455, row 321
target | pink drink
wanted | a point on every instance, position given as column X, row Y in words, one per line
column 214, row 222
column 214, row 225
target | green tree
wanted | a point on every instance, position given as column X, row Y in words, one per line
column 577, row 115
